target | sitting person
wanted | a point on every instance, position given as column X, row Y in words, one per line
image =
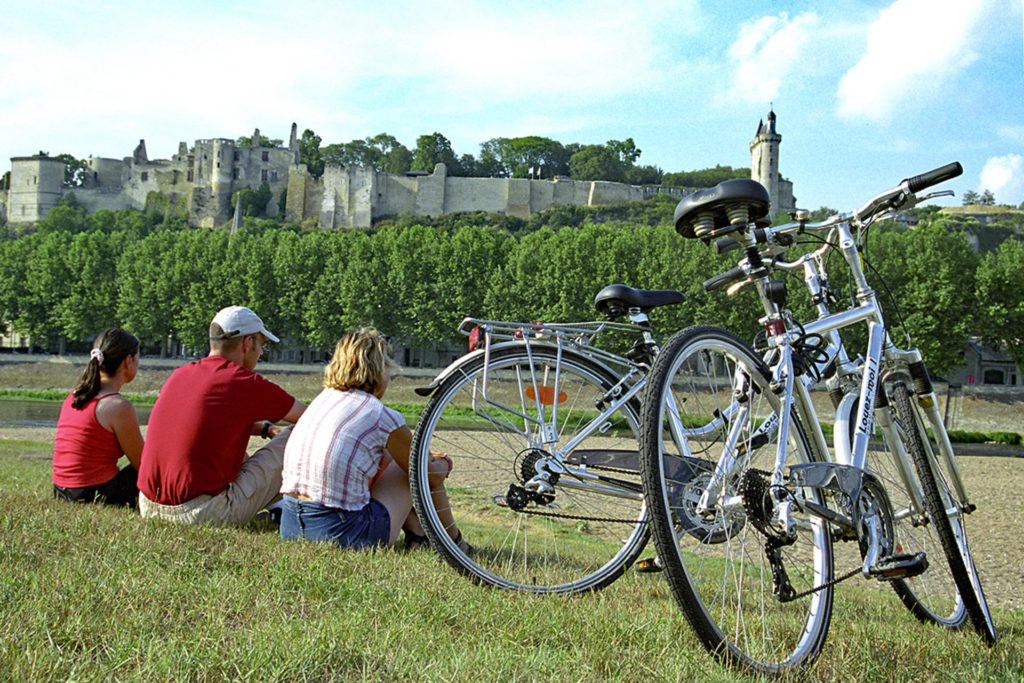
column 346, row 465
column 97, row 426
column 194, row 465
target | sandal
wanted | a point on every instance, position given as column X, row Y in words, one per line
column 415, row 541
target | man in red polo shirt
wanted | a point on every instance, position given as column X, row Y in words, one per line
column 193, row 466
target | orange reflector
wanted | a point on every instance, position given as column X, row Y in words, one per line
column 474, row 338
column 547, row 395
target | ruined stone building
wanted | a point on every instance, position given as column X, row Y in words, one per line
column 202, row 180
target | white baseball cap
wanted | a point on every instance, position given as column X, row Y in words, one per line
column 239, row 321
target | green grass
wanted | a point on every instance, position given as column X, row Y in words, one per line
column 54, row 396
column 90, row 593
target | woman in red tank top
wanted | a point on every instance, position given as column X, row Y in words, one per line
column 97, row 426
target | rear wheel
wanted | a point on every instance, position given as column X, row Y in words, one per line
column 708, row 480
column 578, row 532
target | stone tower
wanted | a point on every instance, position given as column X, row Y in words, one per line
column 764, row 161
column 36, row 185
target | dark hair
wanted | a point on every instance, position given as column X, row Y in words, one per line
column 114, row 345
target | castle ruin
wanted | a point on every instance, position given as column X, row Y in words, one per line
column 204, row 178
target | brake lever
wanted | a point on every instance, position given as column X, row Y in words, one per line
column 933, row 195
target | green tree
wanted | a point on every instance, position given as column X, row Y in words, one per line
column 1000, row 293
column 644, row 175
column 708, row 177
column 431, row 150
column 987, row 198
column 149, row 295
column 67, row 216
column 49, row 283
column 15, row 257
column 298, row 260
column 90, row 304
column 74, row 170
column 381, row 152
column 253, row 202
column 309, row 153
column 930, row 272
column 264, row 141
column 468, row 259
column 514, row 157
column 596, row 162
column 626, row 150
column 970, row 197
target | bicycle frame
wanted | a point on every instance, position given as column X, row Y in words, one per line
column 540, row 428
column 881, row 358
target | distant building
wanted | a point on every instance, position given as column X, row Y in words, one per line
column 202, row 180
column 984, row 365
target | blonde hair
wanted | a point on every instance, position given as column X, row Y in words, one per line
column 359, row 362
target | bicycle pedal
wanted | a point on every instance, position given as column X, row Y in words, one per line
column 900, row 566
column 650, row 565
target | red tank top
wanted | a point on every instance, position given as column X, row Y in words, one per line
column 84, row 453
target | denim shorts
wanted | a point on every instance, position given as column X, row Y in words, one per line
column 365, row 528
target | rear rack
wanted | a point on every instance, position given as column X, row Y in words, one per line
column 579, row 336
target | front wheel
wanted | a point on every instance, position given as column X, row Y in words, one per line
column 504, row 423
column 709, row 442
column 946, row 514
column 932, row 597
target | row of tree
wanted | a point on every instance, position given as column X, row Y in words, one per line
column 416, row 282
column 523, row 157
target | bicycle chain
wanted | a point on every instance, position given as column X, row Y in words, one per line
column 827, row 584
column 581, row 517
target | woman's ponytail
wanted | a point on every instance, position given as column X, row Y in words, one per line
column 108, row 352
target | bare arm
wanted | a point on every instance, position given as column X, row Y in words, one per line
column 292, row 416
column 117, row 414
column 297, row 409
column 398, row 445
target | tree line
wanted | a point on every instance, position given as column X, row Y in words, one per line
column 416, row 279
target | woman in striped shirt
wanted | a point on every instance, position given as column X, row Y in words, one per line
column 346, row 465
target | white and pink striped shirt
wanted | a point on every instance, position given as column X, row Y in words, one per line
column 336, row 446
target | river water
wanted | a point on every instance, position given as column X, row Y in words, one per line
column 19, row 413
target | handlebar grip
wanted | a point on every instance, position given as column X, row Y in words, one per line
column 934, row 177
column 724, row 279
column 726, row 244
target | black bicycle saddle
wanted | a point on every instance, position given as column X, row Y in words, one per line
column 615, row 301
column 724, row 208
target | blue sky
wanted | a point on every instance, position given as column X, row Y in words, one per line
column 866, row 92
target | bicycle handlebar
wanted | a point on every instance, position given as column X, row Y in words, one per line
column 933, row 177
column 723, row 279
column 782, row 236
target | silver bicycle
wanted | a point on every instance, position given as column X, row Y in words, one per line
column 542, row 427
column 745, row 516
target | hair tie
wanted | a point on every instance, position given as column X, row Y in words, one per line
column 97, row 354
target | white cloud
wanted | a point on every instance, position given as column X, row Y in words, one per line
column 1004, row 176
column 765, row 52
column 914, row 47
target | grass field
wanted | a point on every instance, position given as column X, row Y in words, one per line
column 91, row 593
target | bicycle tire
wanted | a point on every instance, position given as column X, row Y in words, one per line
column 950, row 528
column 932, row 597
column 578, row 540
column 723, row 582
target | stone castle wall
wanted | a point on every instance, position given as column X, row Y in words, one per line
column 206, row 176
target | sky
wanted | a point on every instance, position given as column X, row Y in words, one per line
column 866, row 92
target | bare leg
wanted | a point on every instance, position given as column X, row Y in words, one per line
column 437, row 472
column 392, row 490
